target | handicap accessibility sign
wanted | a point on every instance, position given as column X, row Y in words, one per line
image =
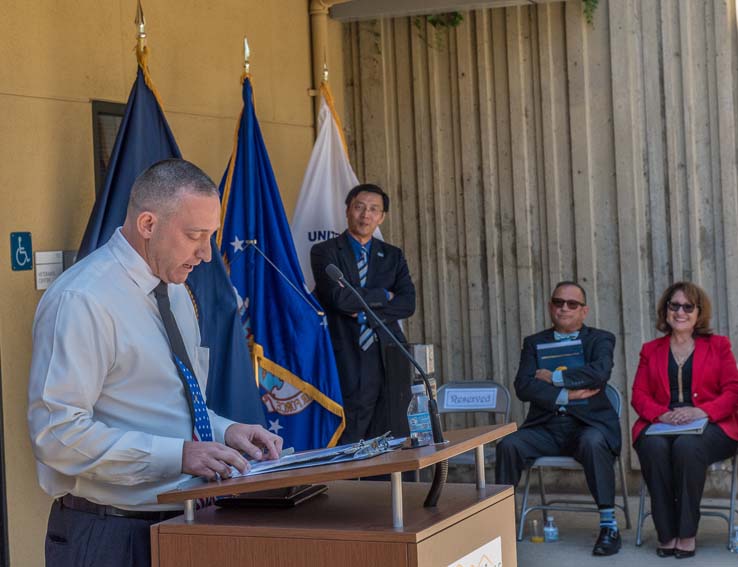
column 21, row 252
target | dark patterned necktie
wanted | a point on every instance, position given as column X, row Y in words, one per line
column 201, row 429
column 366, row 335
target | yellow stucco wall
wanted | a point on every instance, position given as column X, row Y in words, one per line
column 59, row 55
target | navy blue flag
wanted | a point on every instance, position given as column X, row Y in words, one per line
column 288, row 331
column 143, row 139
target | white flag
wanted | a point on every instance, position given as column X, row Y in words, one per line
column 320, row 213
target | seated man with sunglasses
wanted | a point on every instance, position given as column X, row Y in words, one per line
column 569, row 413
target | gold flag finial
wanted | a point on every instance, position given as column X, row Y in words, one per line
column 246, row 56
column 141, row 23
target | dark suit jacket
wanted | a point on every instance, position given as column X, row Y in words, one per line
column 714, row 383
column 596, row 411
column 387, row 271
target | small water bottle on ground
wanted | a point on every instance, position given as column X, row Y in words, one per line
column 535, row 532
column 418, row 417
column 550, row 530
column 734, row 540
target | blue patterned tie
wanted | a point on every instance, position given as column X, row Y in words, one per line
column 201, row 428
column 366, row 335
column 202, row 431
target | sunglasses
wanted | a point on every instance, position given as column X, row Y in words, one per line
column 686, row 307
column 570, row 303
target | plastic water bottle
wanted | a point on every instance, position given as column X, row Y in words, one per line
column 550, row 530
column 418, row 417
column 535, row 532
column 734, row 540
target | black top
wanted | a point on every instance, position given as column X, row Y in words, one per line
column 686, row 382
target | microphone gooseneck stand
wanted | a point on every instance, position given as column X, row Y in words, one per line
column 441, row 469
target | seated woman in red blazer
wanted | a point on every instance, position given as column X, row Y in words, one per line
column 685, row 375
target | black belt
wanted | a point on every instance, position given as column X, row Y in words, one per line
column 84, row 505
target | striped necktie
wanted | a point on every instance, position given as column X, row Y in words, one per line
column 201, row 428
column 366, row 335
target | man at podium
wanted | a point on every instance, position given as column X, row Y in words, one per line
column 116, row 407
column 563, row 373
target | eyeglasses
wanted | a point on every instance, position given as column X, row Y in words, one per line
column 686, row 307
column 570, row 303
column 359, row 208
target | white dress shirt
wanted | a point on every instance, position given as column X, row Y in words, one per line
column 107, row 410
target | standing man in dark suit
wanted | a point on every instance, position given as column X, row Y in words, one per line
column 569, row 413
column 379, row 272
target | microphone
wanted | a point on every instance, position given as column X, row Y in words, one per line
column 337, row 276
column 441, row 469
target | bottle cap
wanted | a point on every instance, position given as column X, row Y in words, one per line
column 418, row 389
column 549, row 518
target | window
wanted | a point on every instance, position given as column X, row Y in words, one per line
column 106, row 120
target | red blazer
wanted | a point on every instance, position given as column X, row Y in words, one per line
column 714, row 383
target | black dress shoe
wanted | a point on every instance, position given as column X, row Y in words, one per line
column 665, row 551
column 608, row 542
column 683, row 553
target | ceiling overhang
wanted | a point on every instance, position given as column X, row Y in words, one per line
column 357, row 10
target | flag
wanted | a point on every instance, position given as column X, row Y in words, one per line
column 143, row 139
column 320, row 212
column 288, row 332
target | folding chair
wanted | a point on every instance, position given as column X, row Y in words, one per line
column 705, row 509
column 475, row 396
column 569, row 463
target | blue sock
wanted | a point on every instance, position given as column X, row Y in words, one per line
column 607, row 518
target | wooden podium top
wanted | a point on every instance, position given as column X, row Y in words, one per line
column 459, row 441
column 361, row 509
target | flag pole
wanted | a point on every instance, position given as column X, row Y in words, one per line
column 325, row 90
column 246, row 58
column 142, row 51
column 140, row 21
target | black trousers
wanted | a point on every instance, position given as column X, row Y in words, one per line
column 362, row 402
column 82, row 539
column 675, row 467
column 560, row 436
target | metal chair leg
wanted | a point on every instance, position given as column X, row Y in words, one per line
column 542, row 492
column 641, row 516
column 524, row 506
column 624, row 487
column 731, row 514
column 541, row 487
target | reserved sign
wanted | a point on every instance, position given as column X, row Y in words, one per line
column 470, row 398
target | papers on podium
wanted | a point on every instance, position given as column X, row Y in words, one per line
column 317, row 457
column 695, row 427
column 560, row 355
column 289, row 460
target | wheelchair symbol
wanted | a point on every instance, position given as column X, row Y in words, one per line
column 21, row 256
column 21, row 251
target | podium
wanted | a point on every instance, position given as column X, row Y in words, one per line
column 356, row 523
